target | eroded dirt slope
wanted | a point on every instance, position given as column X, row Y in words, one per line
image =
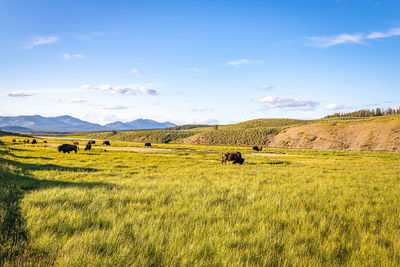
column 351, row 136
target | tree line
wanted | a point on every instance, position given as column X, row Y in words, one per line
column 366, row 113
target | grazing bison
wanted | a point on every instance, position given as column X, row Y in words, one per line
column 92, row 142
column 14, row 140
column 66, row 148
column 88, row 146
column 45, row 141
column 107, row 143
column 256, row 148
column 76, row 143
column 236, row 157
column 26, row 141
column 34, row 141
column 147, row 144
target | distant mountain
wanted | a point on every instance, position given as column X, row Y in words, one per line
column 16, row 129
column 66, row 123
column 138, row 125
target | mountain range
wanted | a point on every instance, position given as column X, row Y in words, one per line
column 37, row 123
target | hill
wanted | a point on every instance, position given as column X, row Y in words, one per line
column 342, row 133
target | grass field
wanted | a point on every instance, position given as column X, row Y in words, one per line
column 181, row 206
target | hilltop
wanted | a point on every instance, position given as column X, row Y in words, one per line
column 339, row 133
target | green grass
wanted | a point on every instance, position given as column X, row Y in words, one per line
column 119, row 208
column 253, row 132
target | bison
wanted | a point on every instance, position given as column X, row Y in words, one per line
column 92, row 142
column 66, row 148
column 88, row 146
column 107, row 143
column 34, row 141
column 14, row 140
column 26, row 141
column 147, row 144
column 236, row 157
column 76, row 143
column 256, row 148
column 45, row 141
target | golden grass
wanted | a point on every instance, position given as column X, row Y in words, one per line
column 119, row 208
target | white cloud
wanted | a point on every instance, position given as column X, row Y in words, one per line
column 358, row 38
column 283, row 102
column 113, row 107
column 337, row 39
column 20, row 94
column 86, row 86
column 119, row 90
column 105, row 87
column 335, row 106
column 267, row 87
column 40, row 40
column 202, row 110
column 68, row 56
column 148, row 91
column 237, row 63
column 136, row 71
column 115, row 89
column 67, row 100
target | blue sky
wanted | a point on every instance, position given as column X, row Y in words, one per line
column 198, row 61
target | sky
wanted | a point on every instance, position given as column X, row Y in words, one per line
column 213, row 62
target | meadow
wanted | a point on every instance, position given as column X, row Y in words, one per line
column 174, row 204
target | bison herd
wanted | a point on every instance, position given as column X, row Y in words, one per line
column 235, row 157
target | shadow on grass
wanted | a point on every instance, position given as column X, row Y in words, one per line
column 15, row 181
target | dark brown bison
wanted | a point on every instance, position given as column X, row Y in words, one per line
column 147, row 144
column 45, row 141
column 88, row 146
column 107, row 143
column 34, row 141
column 256, row 148
column 236, row 157
column 26, row 141
column 14, row 140
column 92, row 142
column 66, row 148
column 76, row 143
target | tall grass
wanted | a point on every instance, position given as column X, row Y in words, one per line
column 186, row 208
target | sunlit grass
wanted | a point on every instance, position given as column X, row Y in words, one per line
column 295, row 207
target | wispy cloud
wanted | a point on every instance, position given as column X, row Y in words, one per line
column 115, row 89
column 113, row 107
column 283, row 102
column 237, row 63
column 202, row 110
column 40, row 40
column 20, row 94
column 136, row 71
column 68, row 56
column 148, row 91
column 357, row 38
column 335, row 106
column 132, row 89
column 88, row 36
column 267, row 87
column 86, row 86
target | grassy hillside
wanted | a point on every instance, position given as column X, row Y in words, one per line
column 132, row 207
column 249, row 132
column 332, row 133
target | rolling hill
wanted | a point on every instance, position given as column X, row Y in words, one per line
column 361, row 134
